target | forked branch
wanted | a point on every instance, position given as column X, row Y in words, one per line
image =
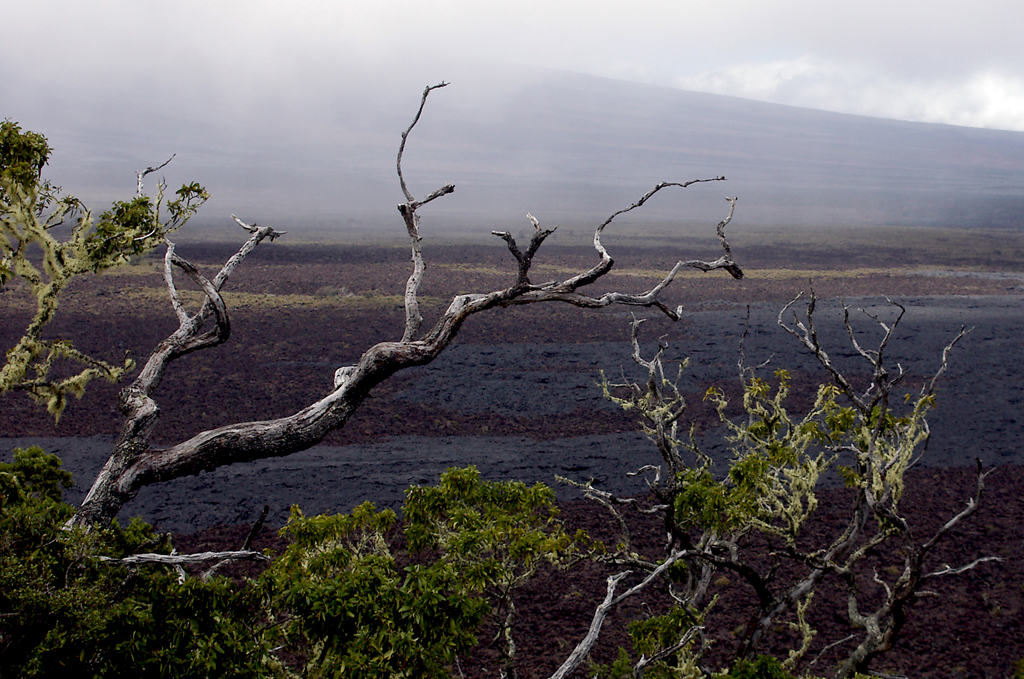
column 413, row 318
column 601, row 612
column 112, row 488
column 149, row 170
column 135, row 464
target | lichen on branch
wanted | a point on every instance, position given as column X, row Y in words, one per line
column 31, row 209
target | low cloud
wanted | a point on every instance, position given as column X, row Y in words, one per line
column 983, row 99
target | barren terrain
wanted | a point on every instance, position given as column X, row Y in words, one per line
column 517, row 396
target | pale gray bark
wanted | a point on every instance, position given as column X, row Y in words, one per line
column 582, row 650
column 881, row 458
column 135, row 463
column 149, row 170
column 120, row 477
column 883, row 625
column 181, row 559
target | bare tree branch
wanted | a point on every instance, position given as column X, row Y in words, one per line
column 413, row 318
column 808, row 336
column 135, row 463
column 112, row 487
column 945, row 355
column 610, row 602
column 256, row 528
column 181, row 559
column 525, row 259
column 150, row 170
column 566, row 291
column 643, row 663
column 253, row 532
column 583, row 648
column 172, row 291
column 401, row 147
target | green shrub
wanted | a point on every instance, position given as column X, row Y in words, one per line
column 764, row 667
column 337, row 602
column 64, row 612
column 352, row 611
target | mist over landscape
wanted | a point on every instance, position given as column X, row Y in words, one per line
column 849, row 114
column 570, row 148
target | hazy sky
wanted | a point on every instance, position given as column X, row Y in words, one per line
column 950, row 61
column 260, row 87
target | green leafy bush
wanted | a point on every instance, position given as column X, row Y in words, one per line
column 65, row 612
column 351, row 610
column 337, row 602
column 495, row 534
column 764, row 667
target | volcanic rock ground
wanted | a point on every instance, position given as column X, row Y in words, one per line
column 980, row 412
column 518, row 404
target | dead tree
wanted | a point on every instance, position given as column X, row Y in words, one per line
column 780, row 460
column 881, row 459
column 135, row 463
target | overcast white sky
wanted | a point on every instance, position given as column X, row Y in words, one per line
column 288, row 107
column 949, row 61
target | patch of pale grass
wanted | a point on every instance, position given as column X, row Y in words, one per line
column 756, row 274
column 472, row 268
column 145, row 269
column 249, row 300
column 655, row 274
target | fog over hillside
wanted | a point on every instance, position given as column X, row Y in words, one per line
column 569, row 148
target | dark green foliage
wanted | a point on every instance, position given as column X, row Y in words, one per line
column 188, row 629
column 650, row 635
column 703, row 502
column 355, row 612
column 764, row 667
column 661, row 632
column 63, row 612
column 33, row 478
column 495, row 532
column 620, row 668
column 337, row 599
column 22, row 155
column 373, row 620
column 134, row 227
column 352, row 609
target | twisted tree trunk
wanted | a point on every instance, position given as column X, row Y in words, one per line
column 134, row 463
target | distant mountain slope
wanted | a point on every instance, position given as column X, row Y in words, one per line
column 570, row 148
column 584, row 137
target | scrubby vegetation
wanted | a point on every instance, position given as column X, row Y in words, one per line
column 31, row 211
column 341, row 600
column 64, row 611
column 361, row 594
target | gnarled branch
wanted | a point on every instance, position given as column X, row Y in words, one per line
column 135, row 463
column 112, row 487
column 182, row 559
